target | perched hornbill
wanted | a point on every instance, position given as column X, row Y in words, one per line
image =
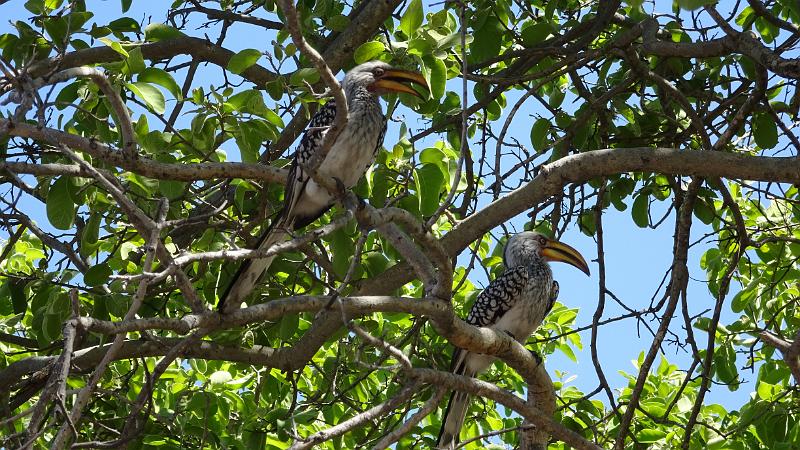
column 516, row 302
column 351, row 155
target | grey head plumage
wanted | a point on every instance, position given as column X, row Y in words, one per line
column 530, row 247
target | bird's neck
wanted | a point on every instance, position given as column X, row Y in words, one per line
column 537, row 268
column 359, row 98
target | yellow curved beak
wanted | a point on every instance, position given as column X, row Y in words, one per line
column 556, row 251
column 397, row 80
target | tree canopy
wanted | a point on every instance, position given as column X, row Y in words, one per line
column 145, row 146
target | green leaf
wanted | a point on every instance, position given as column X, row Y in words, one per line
column 308, row 75
column 487, row 40
column 56, row 27
column 249, row 141
column 745, row 297
column 339, row 22
column 765, row 130
column 438, row 78
column 126, row 5
column 116, row 46
column 244, row 59
column 767, row 391
column 154, row 441
column 97, row 275
column 539, row 133
column 156, row 32
column 650, row 435
column 288, row 326
column 767, row 30
column 35, row 6
column 412, row 18
column 725, row 364
column 150, row 94
column 379, row 186
column 342, row 247
column 19, row 301
column 124, row 24
column 368, row 51
column 161, row 78
column 429, row 181
column 588, row 224
column 703, row 211
column 90, row 235
column 567, row 351
column 639, row 211
column 556, row 98
column 135, row 61
column 273, row 118
column 745, row 18
column 537, row 33
column 171, row 189
column 691, row 5
column 59, row 206
column 76, row 20
column 247, row 101
column 654, row 407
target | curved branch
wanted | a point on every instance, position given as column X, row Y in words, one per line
column 439, row 312
column 488, row 390
column 582, row 167
column 198, row 49
column 743, row 43
column 142, row 165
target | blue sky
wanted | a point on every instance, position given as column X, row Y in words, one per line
column 636, row 258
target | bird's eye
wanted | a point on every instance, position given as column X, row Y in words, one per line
column 542, row 240
column 377, row 72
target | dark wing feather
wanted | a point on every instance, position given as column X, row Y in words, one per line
column 553, row 298
column 498, row 297
column 310, row 143
column 295, row 186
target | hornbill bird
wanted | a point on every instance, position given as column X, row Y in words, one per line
column 349, row 157
column 516, row 302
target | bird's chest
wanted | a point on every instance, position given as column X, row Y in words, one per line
column 355, row 147
column 528, row 312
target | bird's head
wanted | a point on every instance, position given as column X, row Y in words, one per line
column 381, row 78
column 521, row 247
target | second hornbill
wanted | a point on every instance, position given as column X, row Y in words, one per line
column 516, row 302
column 351, row 155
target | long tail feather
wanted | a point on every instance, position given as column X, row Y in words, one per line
column 246, row 278
column 457, row 406
column 454, row 417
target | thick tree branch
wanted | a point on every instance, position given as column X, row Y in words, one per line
column 487, row 390
column 141, row 165
column 582, row 167
column 198, row 49
column 787, row 349
column 744, row 43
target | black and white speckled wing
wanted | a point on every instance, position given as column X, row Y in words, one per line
column 379, row 144
column 553, row 298
column 499, row 297
column 248, row 273
column 310, row 143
